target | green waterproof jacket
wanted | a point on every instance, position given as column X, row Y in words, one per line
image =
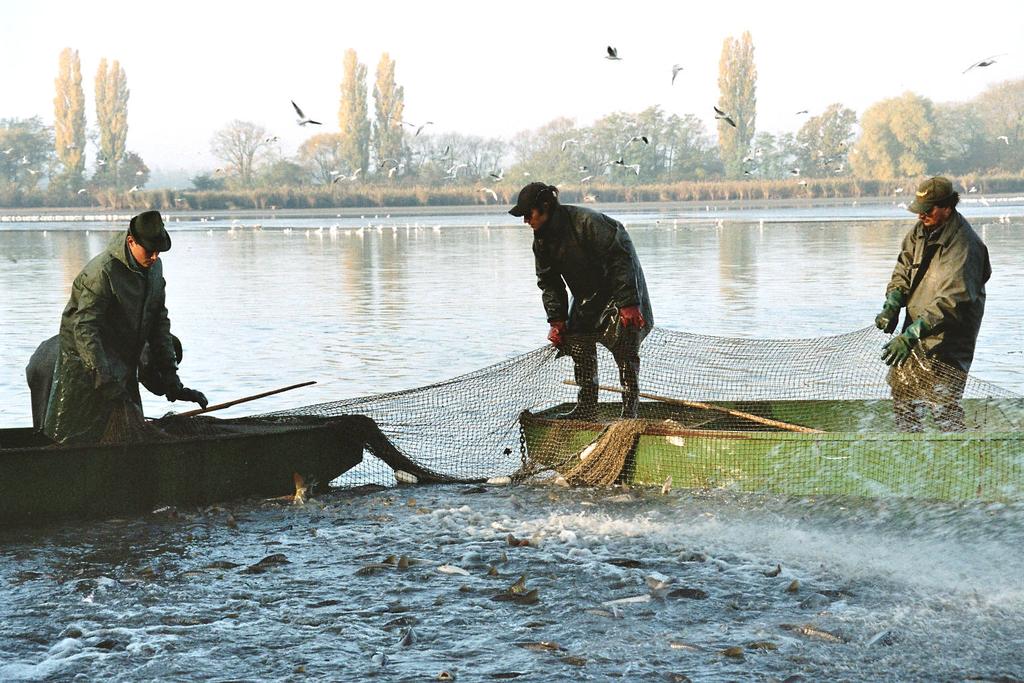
column 943, row 276
column 592, row 254
column 116, row 307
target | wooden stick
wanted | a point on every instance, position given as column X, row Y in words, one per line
column 708, row 406
column 221, row 406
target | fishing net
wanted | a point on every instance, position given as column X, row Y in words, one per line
column 821, row 416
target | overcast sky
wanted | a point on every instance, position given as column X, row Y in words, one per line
column 490, row 68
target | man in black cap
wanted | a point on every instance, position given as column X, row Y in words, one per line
column 940, row 277
column 116, row 308
column 592, row 254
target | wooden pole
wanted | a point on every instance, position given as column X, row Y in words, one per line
column 709, row 406
column 221, row 406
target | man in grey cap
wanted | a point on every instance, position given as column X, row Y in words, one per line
column 940, row 278
column 116, row 308
column 592, row 254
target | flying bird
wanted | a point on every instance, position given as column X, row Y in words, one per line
column 584, row 169
column 794, row 171
column 613, row 53
column 635, row 167
column 570, row 141
column 82, row 191
column 302, row 117
column 614, row 162
column 1004, row 139
column 675, row 72
column 418, row 128
column 8, row 150
column 454, row 170
column 392, row 172
column 135, row 188
column 586, row 179
column 101, row 162
column 802, row 111
column 988, row 61
column 719, row 114
column 494, row 195
column 497, row 176
column 638, row 138
column 272, row 138
column 139, row 173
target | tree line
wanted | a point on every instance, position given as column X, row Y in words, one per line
column 900, row 137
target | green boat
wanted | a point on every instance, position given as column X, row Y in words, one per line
column 205, row 461
column 854, row 449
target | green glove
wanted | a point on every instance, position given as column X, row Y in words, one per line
column 897, row 350
column 890, row 315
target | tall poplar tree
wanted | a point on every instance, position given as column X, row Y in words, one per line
column 353, row 115
column 112, row 119
column 737, row 83
column 69, row 118
column 389, row 104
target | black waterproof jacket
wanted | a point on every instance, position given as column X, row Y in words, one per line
column 592, row 254
column 943, row 277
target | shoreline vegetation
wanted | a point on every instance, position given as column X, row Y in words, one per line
column 372, row 197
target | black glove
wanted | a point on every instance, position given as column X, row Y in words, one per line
column 186, row 394
column 890, row 315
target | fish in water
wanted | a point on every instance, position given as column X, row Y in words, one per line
column 518, row 593
column 810, row 631
column 452, row 569
column 689, row 593
column 517, row 542
column 541, row 646
column 774, row 572
column 266, row 563
column 301, row 489
column 530, row 597
column 628, row 601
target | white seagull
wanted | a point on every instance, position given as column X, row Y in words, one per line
column 586, row 179
column 675, row 72
column 613, row 54
column 570, row 141
column 638, row 138
column 454, row 170
column 988, row 61
column 8, row 150
column 497, row 176
column 135, row 188
column 1004, row 139
column 302, row 117
column 419, row 128
column 719, row 114
column 494, row 195
column 82, row 191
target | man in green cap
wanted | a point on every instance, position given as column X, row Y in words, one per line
column 116, row 308
column 940, row 278
column 592, row 254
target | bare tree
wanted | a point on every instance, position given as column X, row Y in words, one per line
column 239, row 145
